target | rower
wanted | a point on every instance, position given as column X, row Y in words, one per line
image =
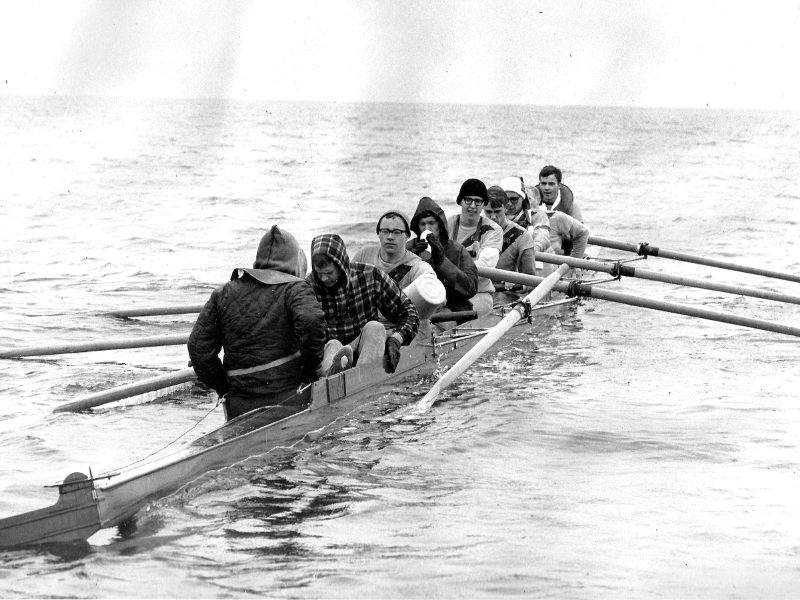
column 403, row 266
column 450, row 260
column 391, row 256
column 556, row 195
column 522, row 208
column 518, row 248
column 353, row 296
column 482, row 238
column 269, row 324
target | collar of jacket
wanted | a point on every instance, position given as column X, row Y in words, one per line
column 265, row 276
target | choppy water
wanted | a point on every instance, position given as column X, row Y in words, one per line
column 614, row 452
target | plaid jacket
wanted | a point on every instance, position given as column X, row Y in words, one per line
column 365, row 291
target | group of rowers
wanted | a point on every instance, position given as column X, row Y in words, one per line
column 280, row 328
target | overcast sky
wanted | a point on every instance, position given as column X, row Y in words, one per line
column 549, row 52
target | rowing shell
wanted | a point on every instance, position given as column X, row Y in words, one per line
column 86, row 505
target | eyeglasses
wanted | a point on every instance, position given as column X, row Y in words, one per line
column 471, row 201
column 511, row 200
column 384, row 231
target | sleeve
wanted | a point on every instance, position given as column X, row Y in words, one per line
column 396, row 307
column 578, row 234
column 308, row 321
column 205, row 343
column 460, row 280
column 541, row 239
column 491, row 246
column 527, row 262
column 575, row 211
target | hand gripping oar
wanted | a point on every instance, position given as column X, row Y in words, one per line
column 619, row 270
column 577, row 289
column 179, row 339
column 648, row 250
column 494, row 334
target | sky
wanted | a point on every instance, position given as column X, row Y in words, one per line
column 680, row 53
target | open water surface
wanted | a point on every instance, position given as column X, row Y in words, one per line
column 611, row 452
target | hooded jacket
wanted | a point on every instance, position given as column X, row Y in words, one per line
column 261, row 315
column 362, row 294
column 458, row 272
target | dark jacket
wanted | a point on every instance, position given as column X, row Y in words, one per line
column 362, row 294
column 457, row 272
column 261, row 315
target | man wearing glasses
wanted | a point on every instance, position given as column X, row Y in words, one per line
column 522, row 208
column 482, row 237
column 391, row 255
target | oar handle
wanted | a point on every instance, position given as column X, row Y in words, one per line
column 647, row 250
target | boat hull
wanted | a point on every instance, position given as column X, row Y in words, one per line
column 115, row 499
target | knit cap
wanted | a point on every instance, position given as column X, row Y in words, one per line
column 472, row 187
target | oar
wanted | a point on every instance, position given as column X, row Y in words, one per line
column 648, row 250
column 153, row 311
column 178, row 339
column 128, row 390
column 583, row 290
column 629, row 271
column 542, row 289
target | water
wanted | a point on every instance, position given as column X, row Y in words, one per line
column 613, row 452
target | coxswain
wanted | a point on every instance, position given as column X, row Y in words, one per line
column 271, row 327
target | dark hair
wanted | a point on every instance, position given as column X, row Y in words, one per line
column 550, row 170
column 497, row 197
column 393, row 215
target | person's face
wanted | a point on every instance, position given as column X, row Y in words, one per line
column 513, row 204
column 471, row 207
column 392, row 234
column 498, row 215
column 549, row 186
column 327, row 271
column 430, row 224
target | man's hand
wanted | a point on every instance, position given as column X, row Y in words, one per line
column 437, row 252
column 419, row 247
column 391, row 354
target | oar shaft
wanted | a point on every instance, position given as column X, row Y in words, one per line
column 128, row 390
column 629, row 271
column 672, row 307
column 153, row 311
column 490, row 338
column 647, row 250
column 98, row 345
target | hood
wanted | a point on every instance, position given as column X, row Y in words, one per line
column 333, row 247
column 426, row 207
column 279, row 259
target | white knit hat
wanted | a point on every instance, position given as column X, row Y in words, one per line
column 513, row 184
